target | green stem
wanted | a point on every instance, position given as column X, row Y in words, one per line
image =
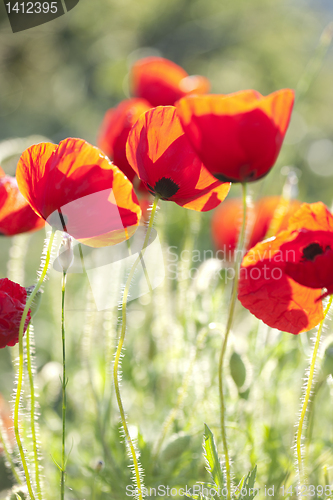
column 21, row 362
column 119, row 349
column 64, row 384
column 32, row 413
column 238, row 259
column 308, row 393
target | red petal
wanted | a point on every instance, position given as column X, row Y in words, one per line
column 238, row 136
column 158, row 149
column 115, row 129
column 273, row 297
column 93, row 195
column 162, row 82
column 16, row 215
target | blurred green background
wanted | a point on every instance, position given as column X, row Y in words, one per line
column 57, row 80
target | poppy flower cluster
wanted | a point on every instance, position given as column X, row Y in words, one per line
column 16, row 215
column 282, row 278
column 226, row 222
column 13, row 298
column 155, row 81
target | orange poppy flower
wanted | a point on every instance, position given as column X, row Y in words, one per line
column 115, row 129
column 227, row 219
column 237, row 136
column 162, row 82
column 75, row 188
column 164, row 160
column 281, row 279
column 16, row 215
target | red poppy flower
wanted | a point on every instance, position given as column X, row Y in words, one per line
column 237, row 136
column 227, row 219
column 16, row 215
column 75, row 188
column 162, row 82
column 312, row 265
column 281, row 279
column 13, row 298
column 115, row 129
column 164, row 160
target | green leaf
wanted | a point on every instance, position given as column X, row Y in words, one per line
column 246, row 486
column 212, row 460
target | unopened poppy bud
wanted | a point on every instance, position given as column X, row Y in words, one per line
column 66, row 253
column 237, row 369
column 37, row 299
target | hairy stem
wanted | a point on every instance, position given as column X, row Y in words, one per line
column 308, row 394
column 119, row 350
column 64, row 384
column 21, row 362
column 238, row 259
column 32, row 412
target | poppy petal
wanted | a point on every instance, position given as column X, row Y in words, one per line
column 237, row 136
column 16, row 215
column 268, row 293
column 115, row 129
column 77, row 189
column 162, row 82
column 159, row 152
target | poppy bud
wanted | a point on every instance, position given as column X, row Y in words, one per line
column 66, row 253
column 237, row 369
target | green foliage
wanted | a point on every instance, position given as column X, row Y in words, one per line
column 214, row 466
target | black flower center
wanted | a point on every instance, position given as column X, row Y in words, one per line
column 165, row 188
column 311, row 251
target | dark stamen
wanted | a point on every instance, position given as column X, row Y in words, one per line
column 166, row 188
column 311, row 251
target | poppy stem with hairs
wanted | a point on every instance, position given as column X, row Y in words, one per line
column 119, row 349
column 32, row 411
column 21, row 364
column 307, row 395
column 238, row 260
column 64, row 384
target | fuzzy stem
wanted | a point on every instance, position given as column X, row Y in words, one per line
column 238, row 259
column 308, row 393
column 120, row 346
column 64, row 384
column 21, row 362
column 32, row 414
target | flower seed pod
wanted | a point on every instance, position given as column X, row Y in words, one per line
column 66, row 253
